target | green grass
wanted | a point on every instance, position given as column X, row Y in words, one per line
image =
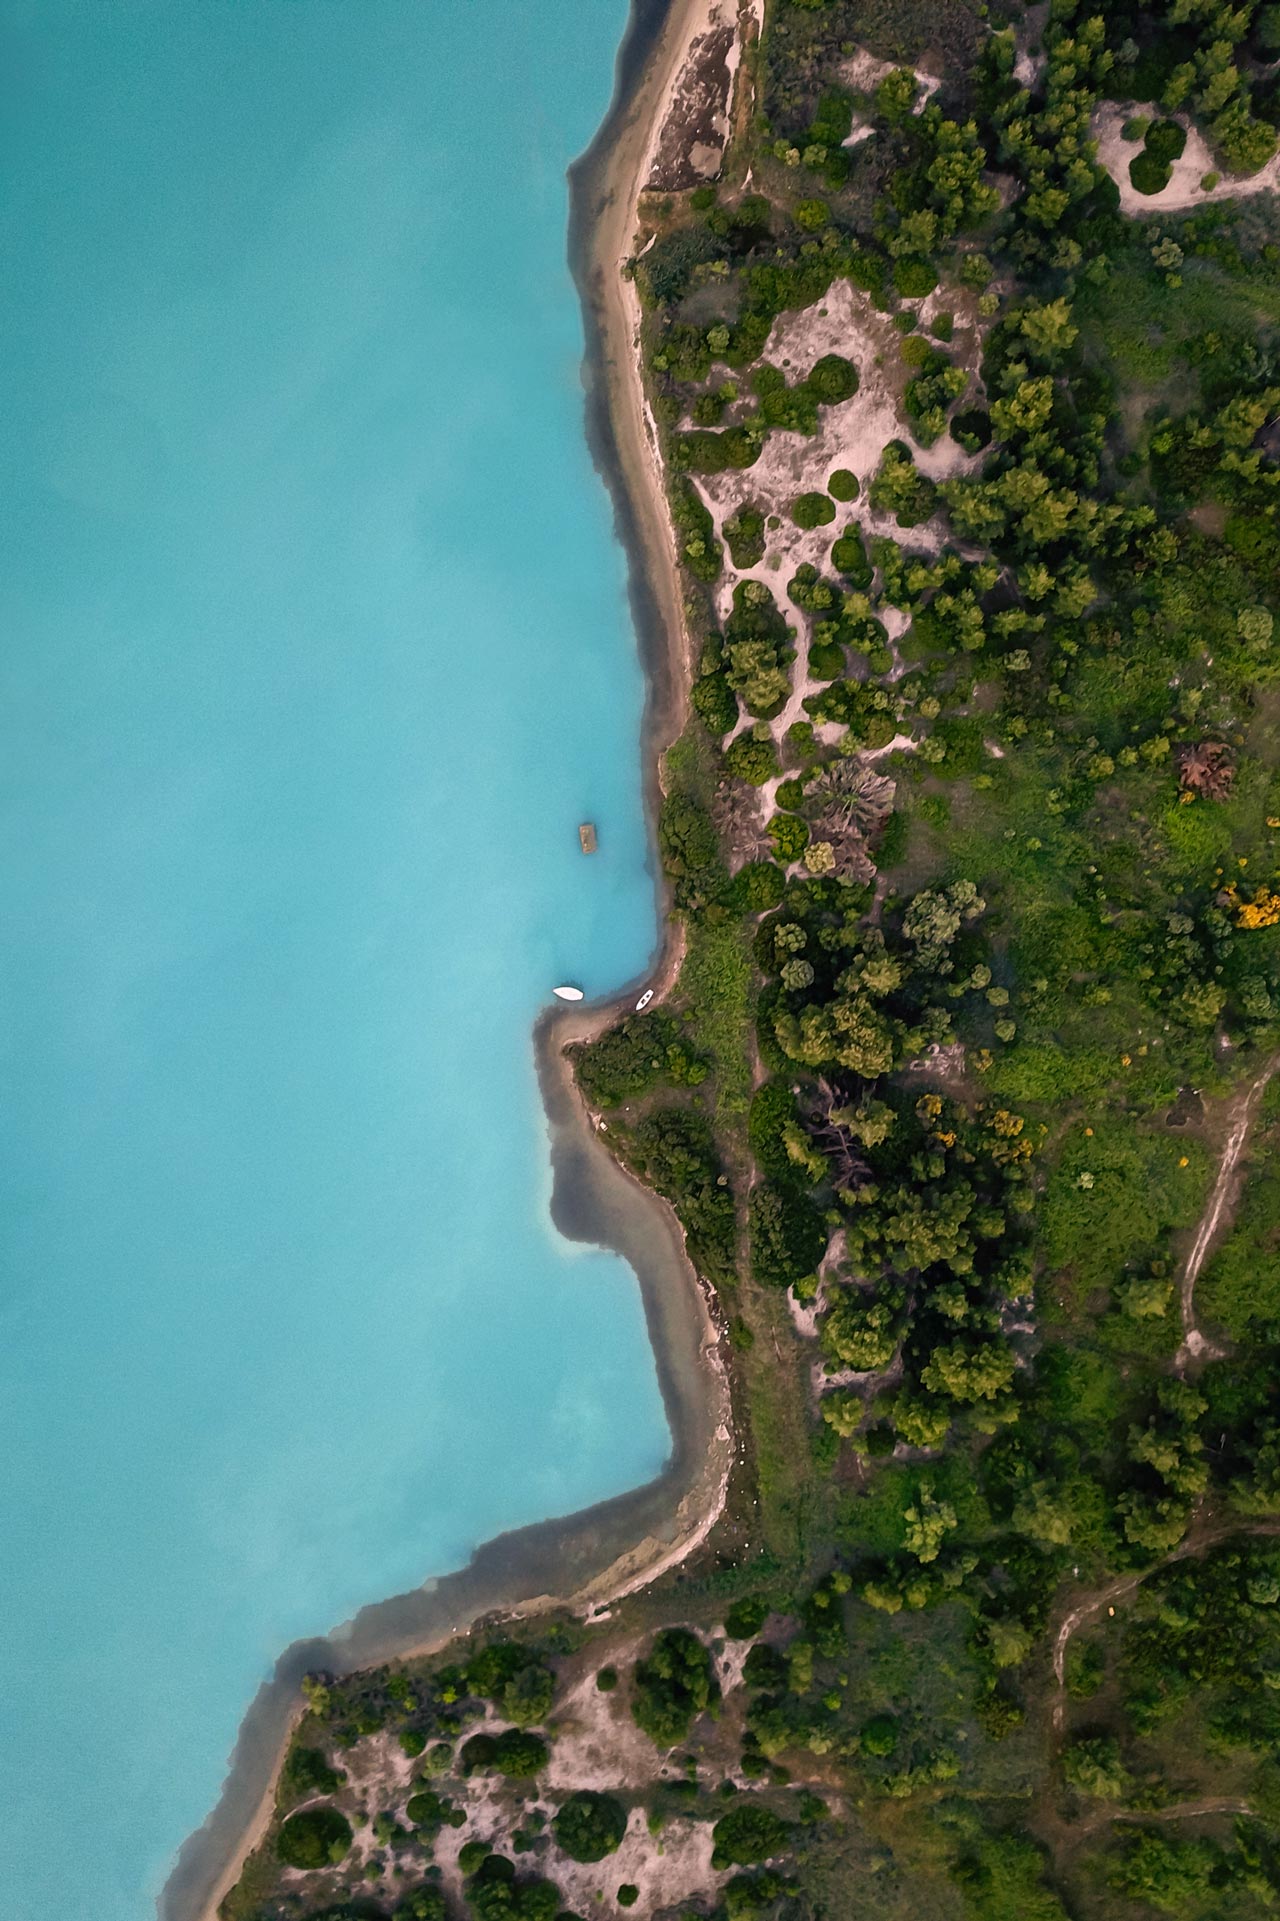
column 717, row 981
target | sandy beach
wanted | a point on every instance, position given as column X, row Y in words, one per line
column 592, row 1558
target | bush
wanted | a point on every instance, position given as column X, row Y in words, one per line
column 589, row 1825
column 715, row 702
column 972, row 430
column 1148, row 174
column 628, row 1894
column 826, row 660
column 316, row 1838
column 757, row 888
column 607, row 1680
column 745, row 535
column 1166, row 140
column 913, row 277
column 747, row 1835
column 813, row 510
column 629, row 1060
column 307, row 1772
column 673, row 1684
column 843, row 485
column 832, row 379
column 746, row 1617
column 752, row 760
column 849, row 557
column 520, row 1755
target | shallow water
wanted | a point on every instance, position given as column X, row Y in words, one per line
column 315, row 653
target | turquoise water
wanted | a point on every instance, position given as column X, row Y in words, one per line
column 315, row 651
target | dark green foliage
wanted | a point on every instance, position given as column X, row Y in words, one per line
column 1148, row 174
column 752, row 760
column 1166, row 140
column 589, row 1826
column 833, row 379
column 494, row 1893
column 757, row 887
column 607, row 1680
column 695, row 529
column 424, row 1904
column 628, row 1894
column 672, row 1685
column 750, row 1833
column 665, row 273
column 842, row 485
column 307, row 1771
column 690, row 850
column 744, row 532
column 913, row 278
column 314, row 1838
column 849, row 557
column 673, row 1149
column 715, row 702
column 971, row 429
column 788, row 1238
column 813, row 510
column 746, row 1617
column 642, row 1052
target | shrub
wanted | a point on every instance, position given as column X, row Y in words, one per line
column 913, row 277
column 628, row 1894
column 813, row 510
column 747, row 1835
column 412, row 1742
column 757, row 888
column 478, row 1754
column 673, row 1685
column 942, row 326
column 745, row 535
column 789, row 835
column 715, row 702
column 589, row 1825
column 1148, row 174
column 849, row 557
column 520, row 1755
column 1166, row 140
column 826, row 660
column 607, row 1680
column 843, row 485
column 316, row 1838
column 752, row 760
column 746, row 1617
column 832, row 379
column 972, row 430
column 307, row 1772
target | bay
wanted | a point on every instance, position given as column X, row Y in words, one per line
column 313, row 652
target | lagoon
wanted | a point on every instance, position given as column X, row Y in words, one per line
column 316, row 650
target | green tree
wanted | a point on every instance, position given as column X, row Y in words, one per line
column 589, row 1825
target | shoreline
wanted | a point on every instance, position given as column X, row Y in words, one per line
column 607, row 1551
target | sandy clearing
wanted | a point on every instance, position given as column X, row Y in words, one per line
column 852, row 435
column 1184, row 189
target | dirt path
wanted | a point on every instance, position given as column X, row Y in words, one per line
column 1198, row 1541
column 1221, row 1207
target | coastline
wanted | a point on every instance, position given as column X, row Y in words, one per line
column 608, row 1551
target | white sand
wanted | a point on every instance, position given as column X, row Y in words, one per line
column 1184, row 189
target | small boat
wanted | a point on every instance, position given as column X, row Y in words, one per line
column 587, row 836
column 567, row 993
column 644, row 999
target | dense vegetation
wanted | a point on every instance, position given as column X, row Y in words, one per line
column 974, row 835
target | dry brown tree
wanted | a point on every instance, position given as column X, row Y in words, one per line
column 1206, row 770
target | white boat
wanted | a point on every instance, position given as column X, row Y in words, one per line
column 644, row 999
column 567, row 993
